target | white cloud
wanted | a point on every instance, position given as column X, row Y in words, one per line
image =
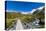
column 24, row 12
column 36, row 9
column 28, row 12
column 11, row 11
column 32, row 10
column 40, row 7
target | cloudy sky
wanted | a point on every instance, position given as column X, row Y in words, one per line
column 22, row 6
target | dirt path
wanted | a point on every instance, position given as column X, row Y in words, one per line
column 19, row 25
